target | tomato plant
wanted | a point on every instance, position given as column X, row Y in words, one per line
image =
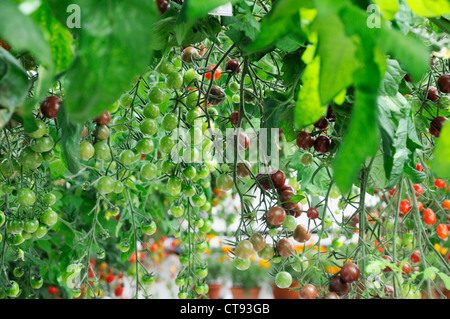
column 330, row 169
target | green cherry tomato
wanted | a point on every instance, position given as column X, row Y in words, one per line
column 30, row 159
column 148, row 171
column 18, row 272
column 168, row 167
column 148, row 127
column 241, row 264
column 145, row 146
column 8, row 168
column 166, row 144
column 41, row 231
column 124, row 246
column 179, row 281
column 102, row 151
column 102, row 132
column 174, row 185
column 118, row 187
column 267, row 252
column 189, row 190
column 174, row 80
column 12, row 289
column 192, row 100
column 192, row 116
column 119, row 124
column 203, row 172
column 15, row 239
column 156, row 95
column 177, row 210
column 151, row 111
column 244, row 249
column 43, row 144
column 234, row 87
column 40, row 131
column 26, row 197
column 106, row 185
column 31, row 225
column 128, row 157
column 190, row 76
column 86, row 151
column 170, row 122
column 125, row 100
column 49, row 217
column 201, row 247
column 148, row 279
column 14, row 226
column 207, row 226
column 26, row 235
column 289, row 223
column 49, row 199
column 148, row 228
column 201, row 273
column 224, row 182
column 36, row 281
column 48, row 156
column 283, row 279
column 306, row 159
column 190, row 172
column 198, row 200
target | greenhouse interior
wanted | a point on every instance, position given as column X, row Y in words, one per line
column 217, row 149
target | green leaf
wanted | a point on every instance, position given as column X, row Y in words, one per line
column 23, row 34
column 430, row 8
column 414, row 175
column 14, row 86
column 392, row 79
column 309, row 108
column 388, row 7
column 58, row 36
column 401, row 153
column 440, row 164
column 446, row 279
column 337, row 56
column 360, row 142
column 283, row 19
column 442, row 23
column 112, row 52
column 409, row 51
column 195, row 9
column 70, row 140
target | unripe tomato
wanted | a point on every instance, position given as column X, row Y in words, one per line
column 283, row 279
column 49, row 217
column 244, row 249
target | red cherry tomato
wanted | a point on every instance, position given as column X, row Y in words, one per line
column 429, row 217
column 419, row 167
column 442, row 231
column 217, row 73
column 118, row 291
column 420, row 206
column 415, row 257
column 439, row 183
column 52, row 290
column 418, row 189
column 405, row 207
column 110, row 278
